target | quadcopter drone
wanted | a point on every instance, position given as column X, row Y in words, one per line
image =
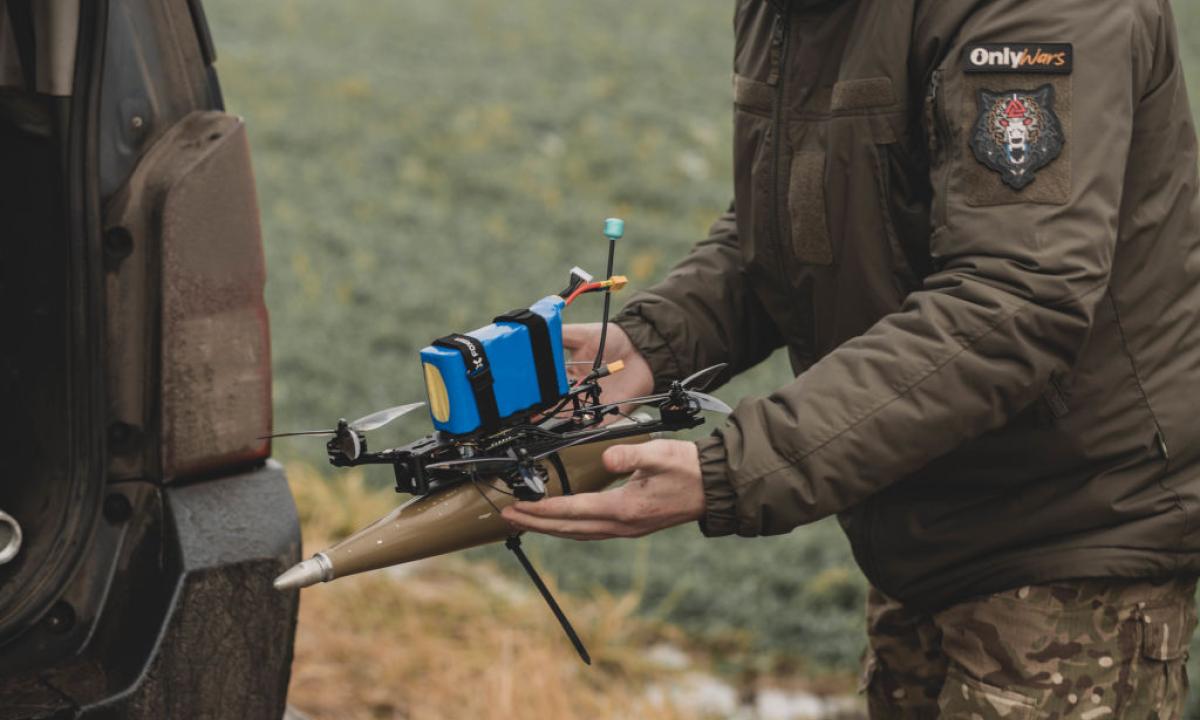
column 502, row 407
column 501, row 403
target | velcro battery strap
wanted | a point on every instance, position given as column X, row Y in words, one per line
column 543, row 351
column 479, row 374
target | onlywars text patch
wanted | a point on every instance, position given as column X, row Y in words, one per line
column 1049, row 58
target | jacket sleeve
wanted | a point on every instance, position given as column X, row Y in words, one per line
column 1011, row 301
column 702, row 314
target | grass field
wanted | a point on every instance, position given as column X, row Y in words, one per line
column 452, row 638
column 422, row 165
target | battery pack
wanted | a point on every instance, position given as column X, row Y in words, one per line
column 479, row 380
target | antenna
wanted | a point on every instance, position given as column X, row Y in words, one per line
column 614, row 230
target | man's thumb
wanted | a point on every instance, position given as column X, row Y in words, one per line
column 622, row 459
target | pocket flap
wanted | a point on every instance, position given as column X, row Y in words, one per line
column 964, row 697
column 752, row 94
column 863, row 94
column 1167, row 630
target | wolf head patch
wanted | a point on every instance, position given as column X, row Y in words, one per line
column 1017, row 133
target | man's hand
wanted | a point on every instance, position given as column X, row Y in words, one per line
column 665, row 490
column 583, row 340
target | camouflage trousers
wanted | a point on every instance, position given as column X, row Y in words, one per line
column 1091, row 649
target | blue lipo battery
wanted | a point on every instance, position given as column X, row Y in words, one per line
column 510, row 354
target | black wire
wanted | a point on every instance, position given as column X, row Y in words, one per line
column 564, row 482
column 565, row 398
column 575, row 283
column 499, row 489
column 475, row 483
column 558, row 408
column 612, row 249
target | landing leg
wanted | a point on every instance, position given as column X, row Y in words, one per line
column 514, row 543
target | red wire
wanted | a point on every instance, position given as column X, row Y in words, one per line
column 585, row 288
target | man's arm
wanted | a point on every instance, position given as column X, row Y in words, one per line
column 1011, row 303
column 702, row 313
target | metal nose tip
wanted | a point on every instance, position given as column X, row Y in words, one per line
column 10, row 537
column 308, row 572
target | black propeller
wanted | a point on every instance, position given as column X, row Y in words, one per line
column 701, row 379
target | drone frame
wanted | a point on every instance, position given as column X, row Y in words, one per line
column 439, row 460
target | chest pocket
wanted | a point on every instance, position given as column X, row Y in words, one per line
column 849, row 167
column 857, row 207
column 806, row 206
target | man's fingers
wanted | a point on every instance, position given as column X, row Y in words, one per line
column 652, row 457
column 581, row 340
column 575, row 529
column 577, row 336
column 587, row 506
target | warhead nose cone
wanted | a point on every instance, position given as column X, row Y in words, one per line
column 308, row 572
column 457, row 518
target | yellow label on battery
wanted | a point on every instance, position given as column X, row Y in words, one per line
column 439, row 399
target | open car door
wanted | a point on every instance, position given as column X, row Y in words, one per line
column 136, row 377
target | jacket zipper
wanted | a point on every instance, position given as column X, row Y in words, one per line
column 931, row 115
column 783, row 28
column 941, row 145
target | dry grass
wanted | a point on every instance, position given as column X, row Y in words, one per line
column 452, row 639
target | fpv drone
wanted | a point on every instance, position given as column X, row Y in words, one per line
column 501, row 403
column 502, row 408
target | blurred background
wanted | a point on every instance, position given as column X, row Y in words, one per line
column 424, row 165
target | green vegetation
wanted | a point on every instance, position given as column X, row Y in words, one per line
column 423, row 165
column 391, row 644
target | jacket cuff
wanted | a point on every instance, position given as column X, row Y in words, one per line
column 720, row 500
column 651, row 343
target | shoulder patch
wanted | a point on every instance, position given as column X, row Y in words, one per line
column 1017, row 133
column 1029, row 58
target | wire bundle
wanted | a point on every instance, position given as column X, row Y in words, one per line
column 615, row 282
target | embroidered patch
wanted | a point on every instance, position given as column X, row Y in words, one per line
column 1052, row 58
column 1017, row 133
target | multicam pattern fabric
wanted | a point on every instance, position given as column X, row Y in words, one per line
column 904, row 669
column 1092, row 650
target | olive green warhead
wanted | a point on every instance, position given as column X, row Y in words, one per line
column 458, row 518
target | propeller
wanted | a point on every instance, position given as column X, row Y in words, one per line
column 699, row 380
column 349, row 444
column 378, row 419
column 366, row 423
column 710, row 403
column 706, row 375
column 298, row 432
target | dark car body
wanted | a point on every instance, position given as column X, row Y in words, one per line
column 135, row 377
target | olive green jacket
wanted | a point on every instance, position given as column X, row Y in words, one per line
column 975, row 226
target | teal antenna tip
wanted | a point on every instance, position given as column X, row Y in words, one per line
column 614, row 228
